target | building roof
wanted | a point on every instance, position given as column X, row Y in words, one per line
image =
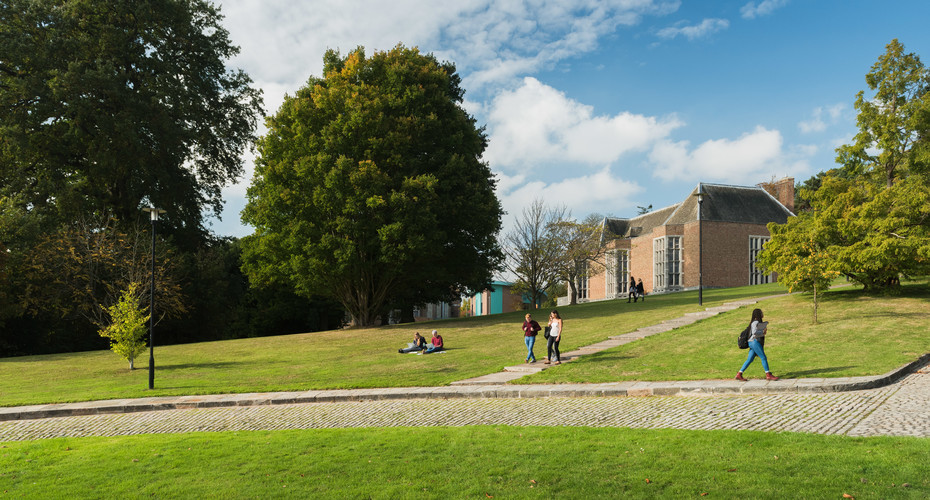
column 722, row 203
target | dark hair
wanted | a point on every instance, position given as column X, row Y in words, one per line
column 756, row 315
column 556, row 314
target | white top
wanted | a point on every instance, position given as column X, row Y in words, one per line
column 757, row 329
column 555, row 328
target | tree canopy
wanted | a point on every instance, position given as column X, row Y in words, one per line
column 869, row 219
column 582, row 247
column 894, row 124
column 369, row 187
column 106, row 105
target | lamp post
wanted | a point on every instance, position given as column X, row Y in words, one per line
column 153, row 212
column 700, row 198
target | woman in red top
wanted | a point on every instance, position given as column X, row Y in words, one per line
column 530, row 329
column 437, row 343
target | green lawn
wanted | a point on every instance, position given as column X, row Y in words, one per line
column 857, row 334
column 891, row 329
column 469, row 462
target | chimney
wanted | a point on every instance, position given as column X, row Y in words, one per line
column 782, row 190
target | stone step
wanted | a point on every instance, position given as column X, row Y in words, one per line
column 721, row 309
column 702, row 314
column 525, row 368
column 491, row 379
column 740, row 303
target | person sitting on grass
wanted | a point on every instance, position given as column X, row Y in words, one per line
column 437, row 343
column 418, row 344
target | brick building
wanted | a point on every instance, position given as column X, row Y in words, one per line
column 662, row 247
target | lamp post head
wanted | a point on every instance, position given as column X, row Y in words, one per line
column 700, row 193
column 154, row 212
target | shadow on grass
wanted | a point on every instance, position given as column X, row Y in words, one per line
column 185, row 366
column 893, row 314
column 817, row 371
column 602, row 357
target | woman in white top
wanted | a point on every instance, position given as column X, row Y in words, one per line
column 757, row 329
column 555, row 335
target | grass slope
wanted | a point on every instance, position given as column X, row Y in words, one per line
column 890, row 329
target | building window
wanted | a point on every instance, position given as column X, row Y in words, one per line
column 667, row 262
column 623, row 271
column 673, row 262
column 583, row 281
column 757, row 276
column 658, row 262
column 617, row 273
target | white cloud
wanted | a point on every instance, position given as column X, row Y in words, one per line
column 764, row 8
column 752, row 156
column 491, row 42
column 816, row 123
column 538, row 125
column 706, row 28
column 599, row 192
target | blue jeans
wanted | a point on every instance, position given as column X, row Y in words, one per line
column 432, row 348
column 755, row 349
column 530, row 341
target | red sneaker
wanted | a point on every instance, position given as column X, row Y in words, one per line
column 769, row 376
column 739, row 376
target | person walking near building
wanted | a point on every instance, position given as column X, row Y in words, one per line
column 530, row 329
column 555, row 336
column 757, row 330
column 631, row 293
column 640, row 291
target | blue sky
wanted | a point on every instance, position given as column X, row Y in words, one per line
column 604, row 106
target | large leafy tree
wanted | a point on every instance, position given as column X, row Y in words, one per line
column 871, row 217
column 894, row 124
column 109, row 104
column 369, row 187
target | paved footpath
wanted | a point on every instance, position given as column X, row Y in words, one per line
column 901, row 409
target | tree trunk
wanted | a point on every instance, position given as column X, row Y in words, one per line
column 131, row 366
column 815, row 303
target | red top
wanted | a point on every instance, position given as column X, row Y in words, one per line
column 530, row 328
column 437, row 341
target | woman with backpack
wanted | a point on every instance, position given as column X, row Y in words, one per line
column 757, row 329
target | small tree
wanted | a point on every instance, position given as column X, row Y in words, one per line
column 799, row 257
column 582, row 246
column 533, row 250
column 126, row 330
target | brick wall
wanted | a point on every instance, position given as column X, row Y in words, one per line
column 725, row 255
column 782, row 190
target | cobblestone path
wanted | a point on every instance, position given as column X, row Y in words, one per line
column 902, row 409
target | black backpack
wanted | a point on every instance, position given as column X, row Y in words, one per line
column 743, row 340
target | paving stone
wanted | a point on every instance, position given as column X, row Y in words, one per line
column 898, row 410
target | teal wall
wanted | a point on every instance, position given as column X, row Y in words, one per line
column 497, row 300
